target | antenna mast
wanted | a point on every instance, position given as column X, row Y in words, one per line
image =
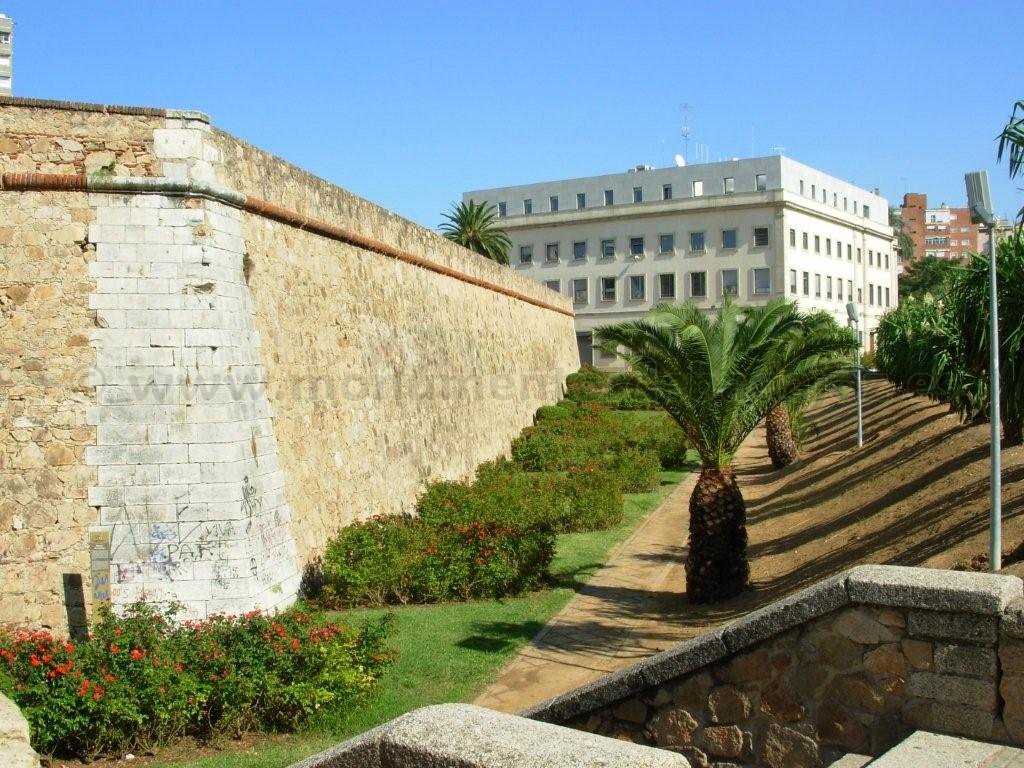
column 685, row 130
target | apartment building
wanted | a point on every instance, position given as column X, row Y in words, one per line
column 943, row 232
column 6, row 54
column 751, row 229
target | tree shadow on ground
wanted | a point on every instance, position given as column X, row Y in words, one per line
column 495, row 636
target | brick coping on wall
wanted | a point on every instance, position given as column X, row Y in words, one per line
column 33, row 182
column 107, row 109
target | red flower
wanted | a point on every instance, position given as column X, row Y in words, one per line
column 295, row 643
column 34, row 660
column 69, row 648
column 114, row 649
column 110, row 678
column 137, row 655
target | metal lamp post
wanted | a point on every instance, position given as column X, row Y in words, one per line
column 853, row 321
column 980, row 203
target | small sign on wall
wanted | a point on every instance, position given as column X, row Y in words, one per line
column 99, row 566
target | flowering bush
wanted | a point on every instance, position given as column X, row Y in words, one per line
column 141, row 679
column 402, row 559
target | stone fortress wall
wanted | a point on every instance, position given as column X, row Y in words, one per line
column 211, row 361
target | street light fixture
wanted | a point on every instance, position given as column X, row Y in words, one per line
column 853, row 321
column 980, row 203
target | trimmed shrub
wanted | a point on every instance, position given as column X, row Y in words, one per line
column 140, row 680
column 637, row 471
column 401, row 559
column 553, row 413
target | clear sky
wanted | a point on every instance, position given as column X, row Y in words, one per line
column 409, row 104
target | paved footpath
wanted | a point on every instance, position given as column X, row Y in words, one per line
column 623, row 614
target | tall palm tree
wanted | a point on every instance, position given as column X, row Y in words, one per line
column 779, row 435
column 1011, row 142
column 473, row 225
column 718, row 378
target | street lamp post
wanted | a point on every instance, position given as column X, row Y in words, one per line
column 853, row 321
column 981, row 213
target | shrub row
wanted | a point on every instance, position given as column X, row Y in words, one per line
column 141, row 680
column 494, row 536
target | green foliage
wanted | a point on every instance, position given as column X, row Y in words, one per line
column 718, row 377
column 904, row 242
column 929, row 276
column 140, row 680
column 1011, row 143
column 637, row 471
column 475, row 226
column 553, row 413
column 399, row 559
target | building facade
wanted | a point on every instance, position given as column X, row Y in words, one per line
column 752, row 229
column 943, row 232
column 6, row 54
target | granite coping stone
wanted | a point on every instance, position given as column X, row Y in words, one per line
column 605, row 690
column 467, row 736
column 1011, row 623
column 936, row 590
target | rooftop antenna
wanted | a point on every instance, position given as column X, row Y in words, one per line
column 685, row 130
column 778, row 149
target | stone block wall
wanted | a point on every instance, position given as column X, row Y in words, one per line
column 852, row 665
column 198, row 386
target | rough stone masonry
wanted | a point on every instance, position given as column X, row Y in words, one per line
column 210, row 361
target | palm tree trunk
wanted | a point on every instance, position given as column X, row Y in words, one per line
column 1012, row 431
column 716, row 564
column 779, row 436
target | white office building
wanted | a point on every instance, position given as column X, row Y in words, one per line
column 752, row 229
column 6, row 54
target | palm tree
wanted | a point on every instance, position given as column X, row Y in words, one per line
column 779, row 436
column 718, row 378
column 1011, row 142
column 472, row 225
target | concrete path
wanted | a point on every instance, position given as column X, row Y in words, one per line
column 623, row 614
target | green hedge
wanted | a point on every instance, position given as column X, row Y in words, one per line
column 142, row 679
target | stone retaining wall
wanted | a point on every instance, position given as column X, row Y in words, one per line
column 199, row 386
column 851, row 665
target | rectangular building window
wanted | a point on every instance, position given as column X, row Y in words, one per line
column 867, row 212
column 760, row 237
column 698, row 188
column 854, row 207
column 817, row 243
column 871, row 294
column 637, row 287
column 849, row 252
column 792, row 281
column 581, row 199
column 667, row 286
column 824, row 195
column 814, row 192
column 698, row 285
column 828, row 287
column 638, row 194
column 828, row 246
column 871, row 258
column 502, row 209
column 761, row 182
column 553, row 203
column 607, row 289
column 807, row 283
column 887, row 258
column 860, row 295
column 849, row 290
column 636, row 246
column 887, row 294
column 792, row 238
column 728, row 185
column 762, row 281
column 608, row 249
column 835, row 200
column 728, row 238
column 858, row 256
column 801, row 186
column 579, row 290
column 527, row 207
column 839, row 250
column 839, row 289
column 666, row 243
column 579, row 250
column 730, row 282
column 805, row 240
column 609, row 197
column 526, row 254
column 554, row 285
column 697, row 241
column 845, row 201
column 817, row 286
column 666, row 191
column 551, row 252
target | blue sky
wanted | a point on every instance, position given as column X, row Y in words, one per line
column 410, row 104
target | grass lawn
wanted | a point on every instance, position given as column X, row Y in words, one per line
column 449, row 652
